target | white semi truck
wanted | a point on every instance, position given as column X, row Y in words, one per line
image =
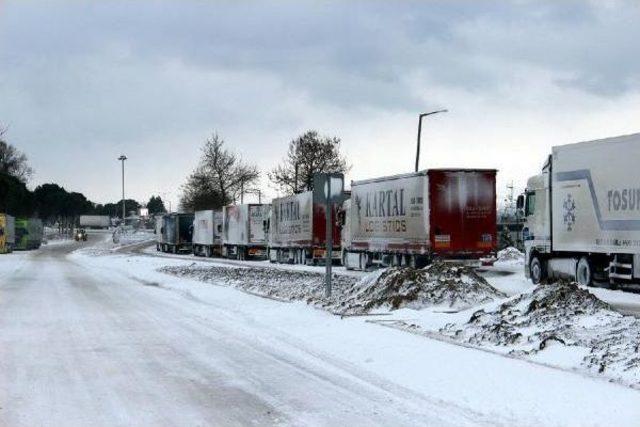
column 207, row 233
column 243, row 231
column 582, row 213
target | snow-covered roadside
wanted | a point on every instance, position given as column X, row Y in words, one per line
column 151, row 251
column 423, row 310
column 502, row 390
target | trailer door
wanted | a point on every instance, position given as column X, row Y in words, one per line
column 462, row 212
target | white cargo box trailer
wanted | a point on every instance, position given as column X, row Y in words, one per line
column 583, row 213
column 243, row 230
column 297, row 230
column 95, row 221
column 412, row 218
column 207, row 233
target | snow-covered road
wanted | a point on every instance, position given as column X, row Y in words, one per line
column 108, row 341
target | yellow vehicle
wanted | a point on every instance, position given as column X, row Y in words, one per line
column 7, row 233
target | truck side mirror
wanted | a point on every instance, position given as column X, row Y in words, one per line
column 520, row 202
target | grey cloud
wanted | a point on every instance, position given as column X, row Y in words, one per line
column 87, row 75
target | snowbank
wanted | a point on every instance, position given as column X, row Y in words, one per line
column 272, row 283
column 440, row 284
column 510, row 255
column 560, row 324
column 450, row 285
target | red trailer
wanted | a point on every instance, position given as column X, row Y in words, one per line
column 297, row 230
column 414, row 218
column 462, row 213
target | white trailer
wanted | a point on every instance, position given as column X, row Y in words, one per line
column 207, row 233
column 412, row 218
column 582, row 213
column 95, row 221
column 243, row 231
column 297, row 230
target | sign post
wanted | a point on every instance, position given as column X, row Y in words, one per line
column 330, row 187
column 329, row 239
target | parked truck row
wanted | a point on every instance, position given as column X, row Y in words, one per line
column 396, row 220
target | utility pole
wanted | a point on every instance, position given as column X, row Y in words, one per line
column 122, row 158
column 242, row 192
column 420, row 132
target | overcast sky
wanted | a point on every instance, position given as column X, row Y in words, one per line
column 82, row 82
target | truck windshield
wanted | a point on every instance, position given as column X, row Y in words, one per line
column 530, row 205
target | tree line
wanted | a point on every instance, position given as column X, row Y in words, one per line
column 50, row 202
column 222, row 176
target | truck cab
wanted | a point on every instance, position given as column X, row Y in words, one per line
column 535, row 205
column 582, row 214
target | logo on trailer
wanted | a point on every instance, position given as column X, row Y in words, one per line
column 569, row 217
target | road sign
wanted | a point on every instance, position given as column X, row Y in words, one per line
column 330, row 188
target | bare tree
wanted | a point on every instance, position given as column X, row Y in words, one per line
column 310, row 153
column 218, row 179
column 12, row 161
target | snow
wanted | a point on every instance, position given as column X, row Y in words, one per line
column 510, row 256
column 579, row 327
column 446, row 285
column 122, row 343
column 486, row 387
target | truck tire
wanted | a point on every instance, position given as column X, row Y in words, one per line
column 584, row 272
column 537, row 272
column 363, row 262
column 174, row 249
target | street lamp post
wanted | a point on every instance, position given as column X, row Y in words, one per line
column 122, row 158
column 420, row 132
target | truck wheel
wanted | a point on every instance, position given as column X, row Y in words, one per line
column 536, row 270
column 174, row 249
column 363, row 262
column 409, row 261
column 584, row 273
